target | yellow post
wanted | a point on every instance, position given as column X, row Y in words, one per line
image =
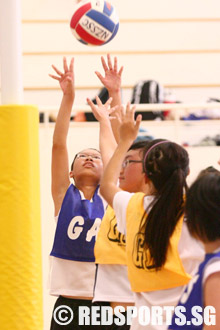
column 20, row 228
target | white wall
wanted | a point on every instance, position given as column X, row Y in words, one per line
column 174, row 42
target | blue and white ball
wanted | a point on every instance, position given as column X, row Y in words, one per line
column 94, row 22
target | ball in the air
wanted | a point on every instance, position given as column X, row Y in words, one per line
column 94, row 22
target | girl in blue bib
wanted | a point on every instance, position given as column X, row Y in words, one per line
column 200, row 302
column 78, row 212
column 79, row 207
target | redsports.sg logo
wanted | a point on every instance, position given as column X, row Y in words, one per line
column 156, row 315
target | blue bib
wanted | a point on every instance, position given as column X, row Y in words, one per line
column 77, row 226
column 193, row 296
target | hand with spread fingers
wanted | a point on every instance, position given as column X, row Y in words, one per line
column 129, row 128
column 66, row 78
column 112, row 78
column 107, row 141
column 101, row 111
column 112, row 82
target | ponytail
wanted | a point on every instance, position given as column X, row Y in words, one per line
column 167, row 167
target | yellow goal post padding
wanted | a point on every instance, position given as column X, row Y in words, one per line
column 20, row 231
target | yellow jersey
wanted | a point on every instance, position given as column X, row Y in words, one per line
column 142, row 276
column 110, row 243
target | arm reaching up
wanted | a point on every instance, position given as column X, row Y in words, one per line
column 112, row 79
column 127, row 134
column 107, row 143
column 60, row 163
column 112, row 82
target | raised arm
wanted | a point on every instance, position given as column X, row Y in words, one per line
column 112, row 82
column 127, row 134
column 60, row 163
column 107, row 142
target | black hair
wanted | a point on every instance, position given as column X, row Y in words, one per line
column 203, row 207
column 167, row 166
column 209, row 169
column 139, row 145
column 71, row 167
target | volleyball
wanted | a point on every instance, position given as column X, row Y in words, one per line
column 94, row 22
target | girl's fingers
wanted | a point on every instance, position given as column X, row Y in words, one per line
column 129, row 114
column 89, row 101
column 109, row 101
column 138, row 119
column 98, row 101
column 130, row 110
column 104, row 65
column 115, row 116
column 109, row 62
column 54, row 77
column 117, row 110
column 110, row 111
column 115, row 64
column 71, row 64
column 101, row 106
column 101, row 78
column 65, row 67
column 121, row 110
column 128, row 105
column 57, row 71
column 133, row 108
column 138, row 122
column 120, row 71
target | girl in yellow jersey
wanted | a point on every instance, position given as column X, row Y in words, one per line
column 161, row 255
column 112, row 284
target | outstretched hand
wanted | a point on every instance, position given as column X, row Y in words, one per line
column 101, row 111
column 66, row 78
column 129, row 128
column 112, row 78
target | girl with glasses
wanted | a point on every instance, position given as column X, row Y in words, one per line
column 112, row 284
column 79, row 209
column 161, row 254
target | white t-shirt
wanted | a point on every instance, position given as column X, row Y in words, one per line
column 69, row 277
column 190, row 250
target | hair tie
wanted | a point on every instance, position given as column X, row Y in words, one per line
column 148, row 151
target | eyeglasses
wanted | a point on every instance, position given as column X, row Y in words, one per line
column 128, row 161
column 84, row 156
